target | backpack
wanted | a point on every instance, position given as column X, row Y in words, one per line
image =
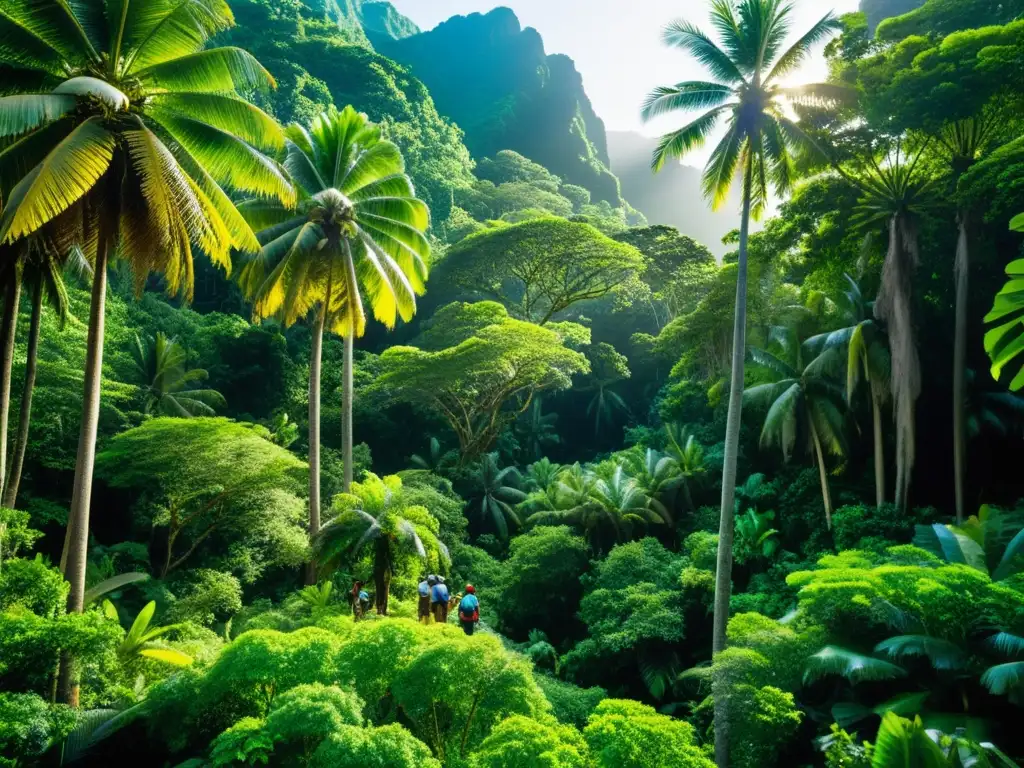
column 464, row 613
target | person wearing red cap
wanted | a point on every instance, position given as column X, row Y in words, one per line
column 469, row 610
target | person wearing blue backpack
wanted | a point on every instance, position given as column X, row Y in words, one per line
column 469, row 610
column 439, row 601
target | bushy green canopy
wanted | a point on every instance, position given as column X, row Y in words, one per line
column 490, row 373
column 542, row 267
column 211, row 483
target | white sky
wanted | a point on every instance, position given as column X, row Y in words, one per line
column 617, row 47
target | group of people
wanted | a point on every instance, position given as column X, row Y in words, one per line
column 435, row 600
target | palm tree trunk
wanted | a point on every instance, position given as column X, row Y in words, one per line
column 960, row 366
column 879, row 453
column 723, row 571
column 382, row 574
column 315, row 357
column 8, row 332
column 346, row 412
column 10, row 496
column 76, row 539
column 823, row 476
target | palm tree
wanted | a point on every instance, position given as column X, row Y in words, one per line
column 355, row 237
column 868, row 357
column 432, row 461
column 42, row 271
column 963, row 141
column 495, row 496
column 748, row 67
column 894, row 192
column 165, row 378
column 122, row 131
column 375, row 512
column 606, row 510
column 8, row 332
column 804, row 403
column 537, row 429
column 689, row 455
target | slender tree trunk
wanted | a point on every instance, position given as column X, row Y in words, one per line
column 723, row 572
column 315, row 356
column 382, row 574
column 823, row 476
column 8, row 332
column 77, row 537
column 879, row 453
column 10, row 496
column 346, row 411
column 960, row 365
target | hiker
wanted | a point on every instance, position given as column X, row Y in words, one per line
column 469, row 610
column 439, row 601
column 364, row 602
column 354, row 597
column 423, row 608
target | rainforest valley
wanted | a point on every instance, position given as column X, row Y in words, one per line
column 303, row 305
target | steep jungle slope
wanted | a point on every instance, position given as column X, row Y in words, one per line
column 495, row 80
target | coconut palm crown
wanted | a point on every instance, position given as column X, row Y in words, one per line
column 126, row 131
column 748, row 66
column 357, row 211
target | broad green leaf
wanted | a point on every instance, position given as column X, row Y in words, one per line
column 168, row 656
column 113, row 583
column 1017, row 223
column 218, row 70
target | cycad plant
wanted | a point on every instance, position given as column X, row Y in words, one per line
column 867, row 361
column 354, row 240
column 803, row 403
column 375, row 513
column 165, row 376
column 748, row 68
column 496, row 493
column 895, row 191
column 123, row 131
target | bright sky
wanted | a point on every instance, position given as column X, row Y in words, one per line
column 616, row 44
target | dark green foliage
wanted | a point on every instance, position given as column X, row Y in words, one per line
column 541, row 586
column 29, row 727
column 571, row 704
column 851, row 525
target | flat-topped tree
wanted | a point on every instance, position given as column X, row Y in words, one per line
column 542, row 267
column 355, row 239
column 479, row 369
column 124, row 132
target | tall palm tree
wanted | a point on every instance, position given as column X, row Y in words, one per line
column 42, row 270
column 122, row 130
column 165, row 377
column 497, row 492
column 356, row 237
column 894, row 193
column 867, row 360
column 375, row 512
column 8, row 333
column 802, row 403
column 963, row 142
column 748, row 67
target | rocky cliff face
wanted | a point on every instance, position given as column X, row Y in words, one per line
column 495, row 80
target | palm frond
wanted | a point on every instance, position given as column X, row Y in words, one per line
column 69, row 171
column 23, row 113
column 688, row 96
column 1003, row 678
column 942, row 654
column 797, row 53
column 855, row 667
column 227, row 113
column 675, row 145
column 684, row 35
column 218, row 70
